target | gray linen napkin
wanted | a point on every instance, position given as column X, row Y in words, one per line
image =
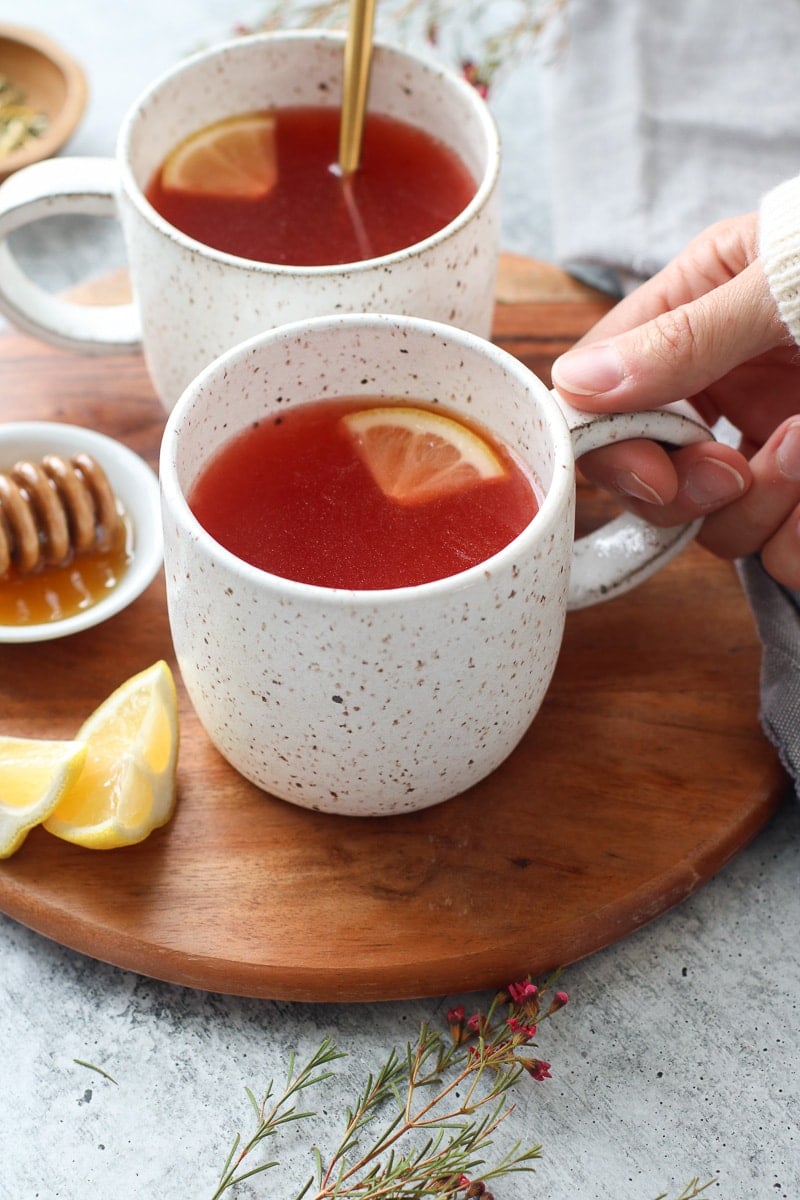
column 661, row 118
column 777, row 614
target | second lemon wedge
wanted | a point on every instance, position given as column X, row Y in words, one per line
column 34, row 776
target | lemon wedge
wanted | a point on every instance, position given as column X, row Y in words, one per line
column 415, row 455
column 34, row 775
column 126, row 787
column 233, row 158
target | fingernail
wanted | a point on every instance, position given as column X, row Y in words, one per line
column 788, row 453
column 590, row 370
column 627, row 483
column 711, row 483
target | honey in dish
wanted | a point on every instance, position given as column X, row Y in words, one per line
column 65, row 540
column 55, row 593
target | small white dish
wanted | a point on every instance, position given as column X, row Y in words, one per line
column 136, row 487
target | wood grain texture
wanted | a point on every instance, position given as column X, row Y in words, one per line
column 643, row 774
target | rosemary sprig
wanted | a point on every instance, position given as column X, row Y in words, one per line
column 691, row 1191
column 281, row 1112
column 422, row 1125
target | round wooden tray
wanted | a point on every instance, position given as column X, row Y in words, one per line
column 644, row 773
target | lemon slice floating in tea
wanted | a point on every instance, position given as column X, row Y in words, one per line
column 232, row 158
column 34, row 776
column 126, row 787
column 415, row 455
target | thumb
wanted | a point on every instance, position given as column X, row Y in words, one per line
column 676, row 354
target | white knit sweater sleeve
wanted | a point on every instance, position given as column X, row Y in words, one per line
column 779, row 248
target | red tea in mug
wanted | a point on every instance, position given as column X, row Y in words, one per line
column 363, row 493
column 265, row 186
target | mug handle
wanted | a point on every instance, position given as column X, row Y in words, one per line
column 624, row 552
column 85, row 186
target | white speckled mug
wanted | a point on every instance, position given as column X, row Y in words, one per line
column 193, row 302
column 379, row 702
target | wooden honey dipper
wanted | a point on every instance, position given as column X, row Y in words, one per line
column 52, row 510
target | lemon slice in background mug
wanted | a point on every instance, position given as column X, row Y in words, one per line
column 234, row 157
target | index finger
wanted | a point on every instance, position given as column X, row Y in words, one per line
column 677, row 353
column 711, row 259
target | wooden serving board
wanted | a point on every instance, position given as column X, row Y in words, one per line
column 643, row 774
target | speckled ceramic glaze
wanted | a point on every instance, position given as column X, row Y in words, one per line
column 193, row 302
column 373, row 702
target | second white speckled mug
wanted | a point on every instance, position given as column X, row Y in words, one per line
column 379, row 702
column 191, row 301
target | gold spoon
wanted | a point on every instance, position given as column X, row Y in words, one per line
column 357, row 60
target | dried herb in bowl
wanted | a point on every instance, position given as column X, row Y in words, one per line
column 18, row 120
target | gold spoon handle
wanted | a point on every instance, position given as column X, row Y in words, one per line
column 357, row 59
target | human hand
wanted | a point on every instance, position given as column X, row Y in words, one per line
column 707, row 329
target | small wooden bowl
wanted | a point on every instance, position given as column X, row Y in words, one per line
column 51, row 82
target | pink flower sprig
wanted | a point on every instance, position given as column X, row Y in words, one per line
column 523, row 993
column 501, row 1040
column 474, row 76
column 482, row 43
column 524, row 1009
